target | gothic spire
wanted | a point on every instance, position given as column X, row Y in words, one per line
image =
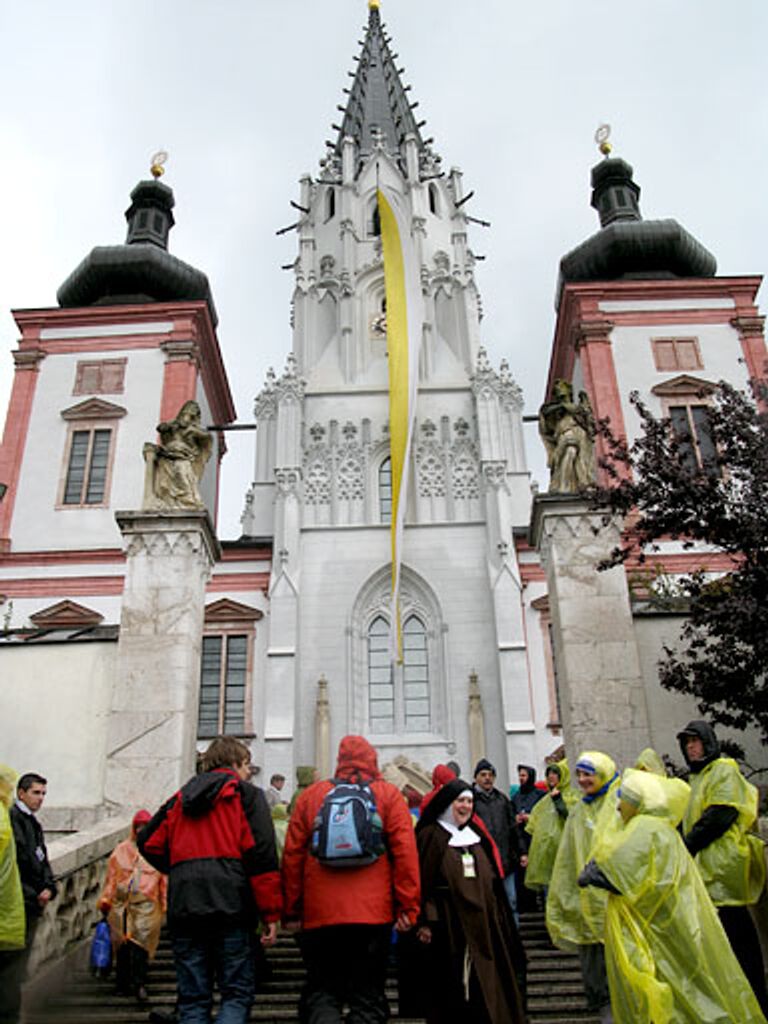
column 378, row 111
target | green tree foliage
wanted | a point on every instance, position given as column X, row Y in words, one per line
column 709, row 496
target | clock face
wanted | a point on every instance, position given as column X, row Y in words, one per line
column 379, row 325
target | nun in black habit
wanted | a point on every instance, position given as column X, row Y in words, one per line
column 471, row 962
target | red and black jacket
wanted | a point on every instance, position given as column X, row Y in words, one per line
column 215, row 841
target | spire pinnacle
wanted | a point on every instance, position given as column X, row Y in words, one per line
column 379, row 114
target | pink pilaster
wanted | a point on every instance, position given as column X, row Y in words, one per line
column 179, row 377
column 15, row 436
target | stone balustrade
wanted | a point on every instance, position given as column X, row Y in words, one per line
column 79, row 863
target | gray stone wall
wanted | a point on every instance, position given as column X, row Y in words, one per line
column 79, row 864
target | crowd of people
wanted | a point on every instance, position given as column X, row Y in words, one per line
column 647, row 877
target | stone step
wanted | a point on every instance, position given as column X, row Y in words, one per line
column 555, row 993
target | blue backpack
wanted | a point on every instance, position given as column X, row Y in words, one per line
column 348, row 831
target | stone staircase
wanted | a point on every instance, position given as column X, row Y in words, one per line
column 555, row 994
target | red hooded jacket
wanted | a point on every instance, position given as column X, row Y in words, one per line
column 320, row 896
column 215, row 841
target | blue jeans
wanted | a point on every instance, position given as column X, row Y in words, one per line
column 225, row 955
column 511, row 890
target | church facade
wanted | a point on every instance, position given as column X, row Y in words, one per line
column 290, row 650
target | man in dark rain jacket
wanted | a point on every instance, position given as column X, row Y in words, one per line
column 716, row 829
column 495, row 811
column 216, row 842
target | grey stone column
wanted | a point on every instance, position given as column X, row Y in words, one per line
column 152, row 724
column 601, row 694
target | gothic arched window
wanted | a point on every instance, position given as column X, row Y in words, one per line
column 416, row 711
column 381, row 688
column 385, row 491
column 434, row 200
column 398, row 695
column 330, row 204
column 406, row 697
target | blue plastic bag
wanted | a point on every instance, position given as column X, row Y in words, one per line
column 101, row 949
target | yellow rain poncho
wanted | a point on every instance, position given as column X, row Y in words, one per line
column 576, row 917
column 649, row 761
column 12, row 920
column 280, row 824
column 733, row 866
column 668, row 958
column 546, row 826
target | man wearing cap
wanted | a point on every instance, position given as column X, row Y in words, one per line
column 717, row 831
column 495, row 811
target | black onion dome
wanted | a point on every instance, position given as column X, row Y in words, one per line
column 141, row 270
column 628, row 246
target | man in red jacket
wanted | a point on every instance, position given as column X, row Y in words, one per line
column 346, row 914
column 215, row 841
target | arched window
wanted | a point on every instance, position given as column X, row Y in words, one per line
column 434, row 200
column 330, row 204
column 398, row 696
column 416, row 710
column 385, row 491
column 381, row 686
column 406, row 697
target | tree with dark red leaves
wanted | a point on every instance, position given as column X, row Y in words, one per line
column 702, row 479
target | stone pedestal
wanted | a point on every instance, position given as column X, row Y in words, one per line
column 152, row 724
column 600, row 689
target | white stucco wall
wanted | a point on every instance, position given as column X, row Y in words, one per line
column 53, row 709
column 451, row 560
column 635, row 369
column 37, row 523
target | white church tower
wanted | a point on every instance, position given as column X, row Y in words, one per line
column 322, row 481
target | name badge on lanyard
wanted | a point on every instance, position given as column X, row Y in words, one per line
column 468, row 863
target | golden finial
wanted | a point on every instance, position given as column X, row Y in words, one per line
column 374, row 5
column 157, row 168
column 602, row 135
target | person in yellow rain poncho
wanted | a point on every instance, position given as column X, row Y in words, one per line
column 576, row 916
column 649, row 761
column 12, row 920
column 546, row 825
column 280, row 825
column 668, row 958
column 722, row 810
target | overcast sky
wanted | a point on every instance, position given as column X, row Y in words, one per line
column 242, row 94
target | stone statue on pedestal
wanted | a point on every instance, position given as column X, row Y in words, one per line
column 174, row 467
column 567, row 429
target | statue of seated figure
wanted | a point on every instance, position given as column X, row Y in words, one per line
column 174, row 467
